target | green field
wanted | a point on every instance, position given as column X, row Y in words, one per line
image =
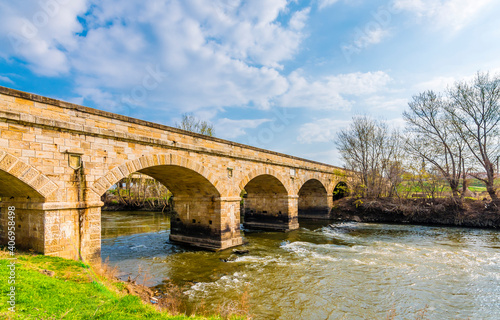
column 412, row 187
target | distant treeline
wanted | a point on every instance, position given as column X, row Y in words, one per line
column 451, row 141
column 138, row 192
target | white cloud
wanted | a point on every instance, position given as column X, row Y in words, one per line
column 370, row 37
column 6, row 80
column 396, row 123
column 299, row 19
column 437, row 84
column 215, row 54
column 383, row 103
column 442, row 83
column 330, row 92
column 319, row 94
column 453, row 14
column 323, row 130
column 41, row 33
column 331, row 156
column 104, row 99
column 326, row 3
column 230, row 129
column 373, row 33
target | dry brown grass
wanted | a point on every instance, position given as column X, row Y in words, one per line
column 172, row 298
column 238, row 308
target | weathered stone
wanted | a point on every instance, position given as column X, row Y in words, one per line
column 205, row 174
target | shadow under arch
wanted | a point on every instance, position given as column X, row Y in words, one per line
column 266, row 204
column 197, row 203
column 313, row 200
column 102, row 184
column 20, row 180
column 26, row 189
column 262, row 172
column 340, row 191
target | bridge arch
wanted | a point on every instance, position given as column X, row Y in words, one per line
column 263, row 172
column 313, row 200
column 267, row 203
column 147, row 164
column 19, row 179
column 202, row 215
column 26, row 189
column 340, row 190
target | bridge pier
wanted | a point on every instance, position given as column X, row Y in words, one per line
column 206, row 222
column 271, row 212
column 67, row 230
column 315, row 207
column 314, row 202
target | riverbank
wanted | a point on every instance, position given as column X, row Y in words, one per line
column 439, row 211
column 55, row 288
column 148, row 208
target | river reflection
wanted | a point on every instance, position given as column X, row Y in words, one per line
column 321, row 271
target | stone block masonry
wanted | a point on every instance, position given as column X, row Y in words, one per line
column 57, row 159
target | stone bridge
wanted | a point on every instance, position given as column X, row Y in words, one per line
column 57, row 159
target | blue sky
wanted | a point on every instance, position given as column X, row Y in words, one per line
column 277, row 74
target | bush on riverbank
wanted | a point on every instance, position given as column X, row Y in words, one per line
column 138, row 192
column 437, row 211
column 56, row 288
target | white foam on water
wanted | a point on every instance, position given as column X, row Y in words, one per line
column 313, row 252
column 254, row 259
column 297, row 247
column 336, row 233
column 225, row 283
column 137, row 247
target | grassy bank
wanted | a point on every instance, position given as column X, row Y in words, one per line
column 56, row 288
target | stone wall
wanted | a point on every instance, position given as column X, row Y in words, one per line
column 42, row 142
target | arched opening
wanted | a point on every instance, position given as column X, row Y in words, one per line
column 28, row 222
column 265, row 204
column 313, row 200
column 341, row 190
column 11, row 186
column 196, row 206
column 196, row 203
column 137, row 191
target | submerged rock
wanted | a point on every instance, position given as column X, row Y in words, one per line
column 240, row 252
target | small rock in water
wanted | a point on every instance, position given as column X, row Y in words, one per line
column 240, row 251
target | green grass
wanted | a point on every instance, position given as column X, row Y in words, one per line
column 474, row 186
column 74, row 292
column 477, row 189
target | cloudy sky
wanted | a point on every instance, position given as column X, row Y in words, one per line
column 278, row 74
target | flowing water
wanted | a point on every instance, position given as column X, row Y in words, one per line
column 322, row 270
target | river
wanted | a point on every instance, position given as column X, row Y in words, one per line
column 322, row 270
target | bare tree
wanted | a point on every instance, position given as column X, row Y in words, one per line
column 434, row 140
column 139, row 191
column 191, row 123
column 368, row 149
column 394, row 164
column 475, row 114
